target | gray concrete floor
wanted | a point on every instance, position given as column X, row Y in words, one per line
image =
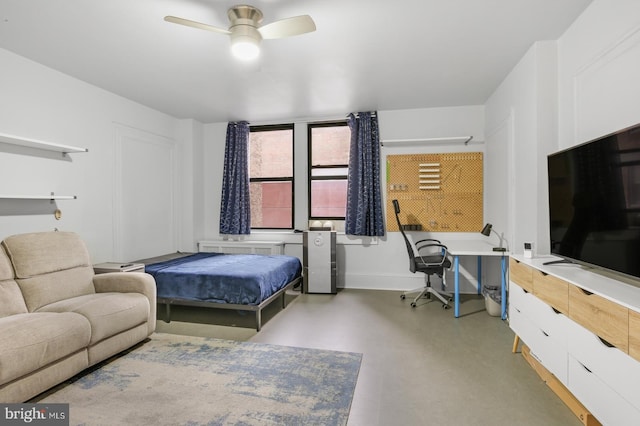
column 420, row 366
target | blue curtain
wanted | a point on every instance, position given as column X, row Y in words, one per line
column 235, row 208
column 364, row 202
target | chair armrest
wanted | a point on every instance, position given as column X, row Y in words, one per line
column 443, row 248
column 126, row 282
column 444, row 251
column 428, row 239
column 129, row 282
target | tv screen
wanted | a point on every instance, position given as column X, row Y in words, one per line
column 594, row 202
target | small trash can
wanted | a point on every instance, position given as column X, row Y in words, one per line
column 492, row 300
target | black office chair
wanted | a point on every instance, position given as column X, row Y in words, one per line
column 428, row 256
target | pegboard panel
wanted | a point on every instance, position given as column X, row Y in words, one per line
column 438, row 192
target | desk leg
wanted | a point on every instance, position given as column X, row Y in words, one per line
column 503, row 300
column 479, row 275
column 456, row 286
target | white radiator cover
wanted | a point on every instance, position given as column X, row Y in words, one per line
column 242, row 247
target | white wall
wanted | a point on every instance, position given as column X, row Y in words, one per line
column 520, row 132
column 599, row 65
column 111, row 181
column 192, row 185
column 560, row 94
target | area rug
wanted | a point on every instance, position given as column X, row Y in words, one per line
column 182, row 380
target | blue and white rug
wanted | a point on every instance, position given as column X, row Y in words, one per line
column 183, row 380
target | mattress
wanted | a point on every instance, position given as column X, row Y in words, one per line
column 245, row 279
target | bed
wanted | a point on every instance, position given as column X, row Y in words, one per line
column 244, row 282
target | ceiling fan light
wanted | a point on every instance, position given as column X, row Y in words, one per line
column 246, row 32
column 245, row 42
column 245, row 49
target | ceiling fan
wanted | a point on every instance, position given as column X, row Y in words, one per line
column 245, row 30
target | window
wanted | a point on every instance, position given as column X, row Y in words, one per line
column 271, row 176
column 328, row 168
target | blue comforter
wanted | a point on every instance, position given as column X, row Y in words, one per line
column 245, row 279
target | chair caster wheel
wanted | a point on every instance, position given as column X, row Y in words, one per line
column 413, row 304
column 445, row 306
column 402, row 296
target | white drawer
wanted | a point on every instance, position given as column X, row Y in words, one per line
column 523, row 300
column 548, row 350
column 542, row 315
column 517, row 320
column 553, row 322
column 610, row 364
column 517, row 295
column 553, row 355
column 604, row 403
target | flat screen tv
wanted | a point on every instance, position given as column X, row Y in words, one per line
column 594, row 202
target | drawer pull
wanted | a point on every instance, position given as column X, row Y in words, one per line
column 525, row 291
column 544, row 274
column 586, row 292
column 585, row 367
column 555, row 310
column 604, row 342
column 545, row 333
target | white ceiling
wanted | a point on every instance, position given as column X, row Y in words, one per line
column 365, row 55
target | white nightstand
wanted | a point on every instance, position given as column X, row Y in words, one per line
column 101, row 268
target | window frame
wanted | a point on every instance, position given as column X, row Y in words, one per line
column 276, row 127
column 311, row 167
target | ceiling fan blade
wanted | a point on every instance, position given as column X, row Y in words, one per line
column 194, row 24
column 288, row 27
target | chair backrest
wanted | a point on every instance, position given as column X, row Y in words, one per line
column 434, row 262
column 11, row 300
column 50, row 266
column 409, row 244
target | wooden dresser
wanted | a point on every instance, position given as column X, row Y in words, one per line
column 584, row 327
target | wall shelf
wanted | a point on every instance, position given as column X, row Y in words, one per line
column 34, row 143
column 51, row 197
column 421, row 141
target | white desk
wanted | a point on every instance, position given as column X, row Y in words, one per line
column 479, row 248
